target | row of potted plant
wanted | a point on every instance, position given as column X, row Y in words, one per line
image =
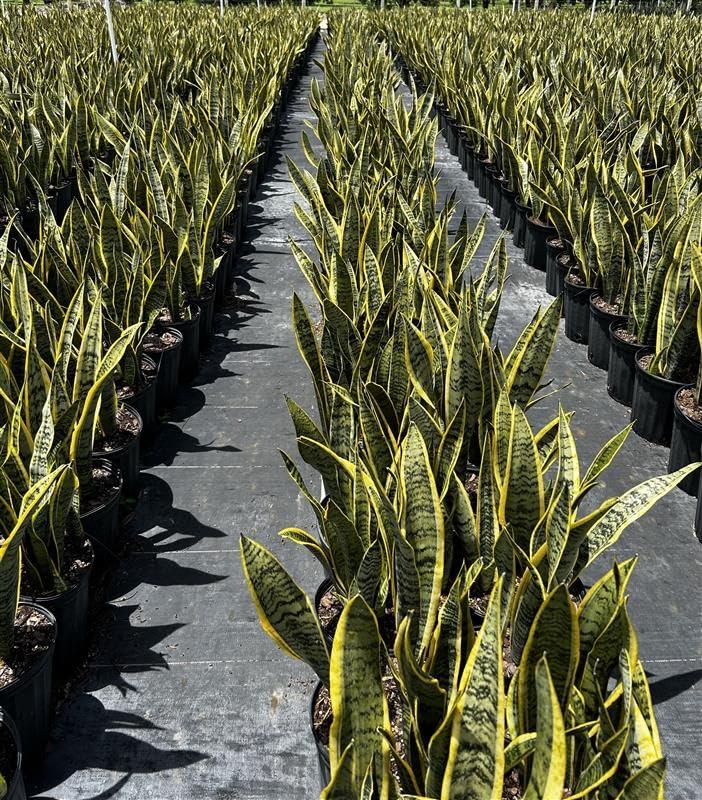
column 590, row 158
column 101, row 317
column 458, row 652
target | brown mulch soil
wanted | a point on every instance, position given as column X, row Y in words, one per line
column 625, row 336
column 471, row 484
column 565, row 260
column 688, row 405
column 166, row 318
column 322, row 716
column 77, row 558
column 329, row 610
column 603, row 305
column 645, row 361
column 512, row 787
column 34, row 634
column 127, row 429
column 576, row 279
column 104, row 484
column 158, row 342
column 508, row 666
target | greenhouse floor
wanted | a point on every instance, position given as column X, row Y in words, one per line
column 183, row 694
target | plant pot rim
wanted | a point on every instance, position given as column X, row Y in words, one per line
column 151, row 382
column 555, row 244
column 105, row 464
column 195, row 312
column 68, row 592
column 646, row 351
column 538, row 223
column 174, row 332
column 600, row 312
column 681, row 415
column 577, row 287
column 618, row 341
column 522, row 206
column 9, row 723
column 22, row 680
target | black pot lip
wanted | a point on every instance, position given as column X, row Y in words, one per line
column 174, row 332
column 321, row 748
column 551, row 245
column 598, row 312
column 179, row 325
column 9, row 723
column 148, row 387
column 106, row 464
column 508, row 193
column 576, row 288
column 681, row 415
column 522, row 207
column 68, row 593
column 105, row 454
column 646, row 375
column 322, row 589
column 629, row 346
column 40, row 663
column 539, row 225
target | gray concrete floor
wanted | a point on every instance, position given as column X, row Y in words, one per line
column 186, row 697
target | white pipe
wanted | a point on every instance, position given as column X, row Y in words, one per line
column 111, row 30
column 592, row 13
column 221, row 8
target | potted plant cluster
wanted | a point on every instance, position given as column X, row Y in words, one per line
column 593, row 164
column 123, row 204
column 458, row 653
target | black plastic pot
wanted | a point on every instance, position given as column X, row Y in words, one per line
column 576, row 307
column 484, row 179
column 521, row 212
column 685, row 446
column 221, row 277
column 168, row 361
column 652, row 404
column 15, row 786
column 189, row 363
column 621, row 370
column 101, row 524
column 555, row 271
column 28, row 698
column 507, row 207
column 470, row 161
column 70, row 608
column 322, row 749
column 497, row 196
column 492, row 185
column 698, row 513
column 598, row 336
column 126, row 458
column 144, row 401
column 535, row 238
column 206, row 305
column 479, row 174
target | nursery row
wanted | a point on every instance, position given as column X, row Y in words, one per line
column 458, row 652
column 591, row 154
column 104, row 313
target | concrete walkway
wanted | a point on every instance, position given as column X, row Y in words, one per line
column 184, row 695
